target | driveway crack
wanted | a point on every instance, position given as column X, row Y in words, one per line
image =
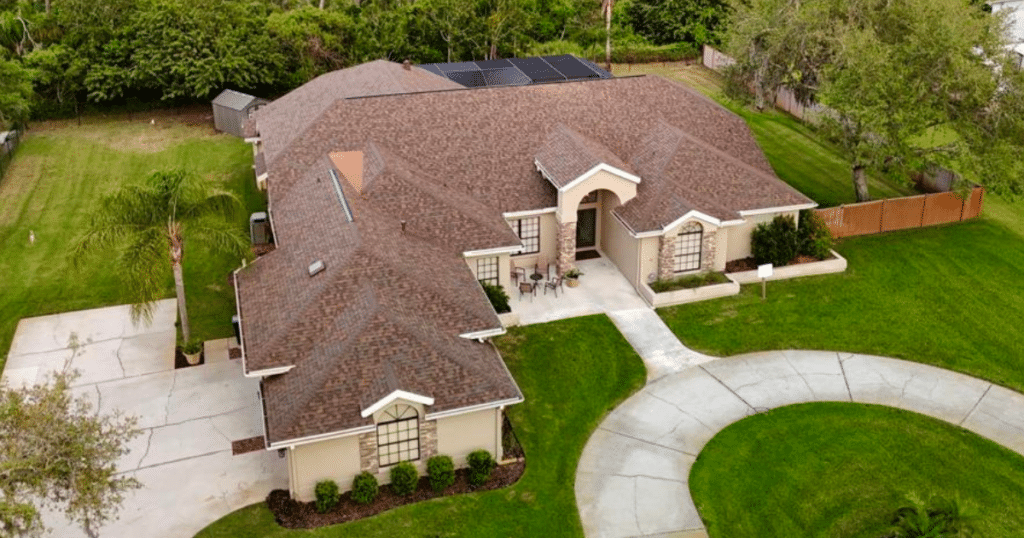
column 846, row 380
column 683, row 411
column 645, row 441
column 149, row 441
column 119, row 361
column 976, row 404
column 800, row 375
column 636, row 510
column 745, row 402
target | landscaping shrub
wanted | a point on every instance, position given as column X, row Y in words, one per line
column 815, row 237
column 441, row 470
column 404, row 478
column 776, row 242
column 689, row 281
column 481, row 463
column 497, row 296
column 364, row 488
column 327, row 495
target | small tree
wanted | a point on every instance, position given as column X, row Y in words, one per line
column 59, row 453
column 775, row 242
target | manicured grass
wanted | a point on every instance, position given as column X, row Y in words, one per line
column 797, row 154
column 54, row 182
column 839, row 470
column 951, row 296
column 571, row 373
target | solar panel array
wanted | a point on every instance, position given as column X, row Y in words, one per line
column 518, row 71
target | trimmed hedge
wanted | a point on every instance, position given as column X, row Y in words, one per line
column 327, row 495
column 441, row 470
column 481, row 463
column 815, row 238
column 689, row 281
column 404, row 478
column 364, row 488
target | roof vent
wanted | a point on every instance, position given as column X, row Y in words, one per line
column 316, row 267
column 407, row 65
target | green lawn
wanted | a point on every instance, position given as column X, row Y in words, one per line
column 57, row 176
column 841, row 469
column 797, row 154
column 572, row 373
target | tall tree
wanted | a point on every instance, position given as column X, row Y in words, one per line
column 672, row 21
column 909, row 81
column 154, row 221
column 15, row 92
column 316, row 40
column 450, row 18
column 58, row 452
column 606, row 8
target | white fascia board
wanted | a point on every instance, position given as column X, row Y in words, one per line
column 472, row 409
column 727, row 223
column 251, row 140
column 292, row 443
column 764, row 211
column 269, row 371
column 693, row 213
column 544, row 172
column 483, row 334
column 598, row 168
column 398, row 394
column 490, row 251
column 528, row 213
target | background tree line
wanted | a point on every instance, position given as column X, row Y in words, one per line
column 58, row 56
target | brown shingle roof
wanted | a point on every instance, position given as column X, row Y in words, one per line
column 566, row 155
column 282, row 120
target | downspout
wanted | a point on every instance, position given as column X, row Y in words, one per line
column 498, row 448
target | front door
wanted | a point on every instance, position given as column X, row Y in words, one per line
column 586, row 228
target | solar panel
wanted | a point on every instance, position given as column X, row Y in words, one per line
column 493, row 64
column 433, row 68
column 569, row 66
column 505, row 76
column 469, row 79
column 538, row 70
column 458, row 66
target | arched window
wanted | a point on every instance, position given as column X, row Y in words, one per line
column 398, row 435
column 688, row 247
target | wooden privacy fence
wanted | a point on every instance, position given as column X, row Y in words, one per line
column 901, row 213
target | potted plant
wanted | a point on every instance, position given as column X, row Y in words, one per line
column 572, row 277
column 192, row 350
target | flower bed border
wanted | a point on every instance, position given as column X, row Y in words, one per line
column 835, row 264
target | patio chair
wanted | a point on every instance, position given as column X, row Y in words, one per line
column 518, row 275
column 553, row 284
column 527, row 288
column 541, row 268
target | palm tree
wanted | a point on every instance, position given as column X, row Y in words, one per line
column 938, row 518
column 606, row 8
column 157, row 218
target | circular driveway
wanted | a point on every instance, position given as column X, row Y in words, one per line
column 632, row 479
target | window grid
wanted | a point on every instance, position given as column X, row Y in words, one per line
column 487, row 270
column 688, row 248
column 398, row 440
column 528, row 230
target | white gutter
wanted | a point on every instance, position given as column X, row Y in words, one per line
column 292, row 443
column 497, row 250
column 238, row 311
column 472, row 409
column 528, row 213
column 488, row 333
column 269, row 371
column 749, row 212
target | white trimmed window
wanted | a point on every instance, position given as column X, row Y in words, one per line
column 688, row 246
column 528, row 230
column 487, row 270
column 398, row 435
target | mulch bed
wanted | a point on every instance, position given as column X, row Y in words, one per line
column 234, row 353
column 748, row 264
column 246, row 446
column 181, row 362
column 292, row 514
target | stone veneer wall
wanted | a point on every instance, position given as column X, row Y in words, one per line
column 667, row 251
column 368, row 446
column 566, row 246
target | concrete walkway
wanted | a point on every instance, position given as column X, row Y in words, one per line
column 660, row 350
column 632, row 479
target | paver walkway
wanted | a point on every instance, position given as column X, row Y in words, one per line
column 632, row 479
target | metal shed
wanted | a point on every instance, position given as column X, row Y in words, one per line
column 232, row 109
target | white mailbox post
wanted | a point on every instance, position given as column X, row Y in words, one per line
column 763, row 272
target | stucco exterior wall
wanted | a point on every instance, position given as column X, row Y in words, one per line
column 548, row 244
column 569, row 200
column 738, row 243
column 459, row 435
column 504, row 269
column 649, row 258
column 336, row 459
column 620, row 247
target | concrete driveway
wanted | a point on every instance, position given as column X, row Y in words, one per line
column 188, row 417
column 632, row 478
